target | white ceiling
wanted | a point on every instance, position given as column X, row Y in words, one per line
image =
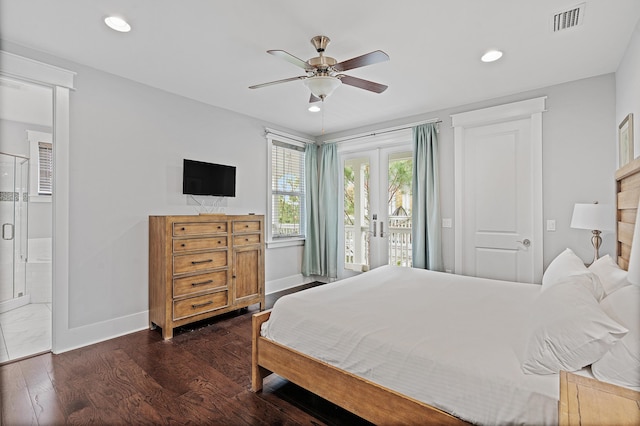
column 212, row 51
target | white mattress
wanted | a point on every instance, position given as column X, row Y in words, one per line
column 450, row 341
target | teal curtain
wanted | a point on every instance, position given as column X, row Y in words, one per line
column 328, row 211
column 311, row 254
column 320, row 255
column 426, row 239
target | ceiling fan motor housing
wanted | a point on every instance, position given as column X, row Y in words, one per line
column 322, row 63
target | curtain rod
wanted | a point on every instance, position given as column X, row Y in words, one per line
column 381, row 132
column 268, row 131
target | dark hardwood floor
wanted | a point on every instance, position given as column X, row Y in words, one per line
column 201, row 376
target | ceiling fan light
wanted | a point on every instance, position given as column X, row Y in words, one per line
column 322, row 86
column 314, row 108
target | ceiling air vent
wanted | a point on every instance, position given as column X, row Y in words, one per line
column 568, row 18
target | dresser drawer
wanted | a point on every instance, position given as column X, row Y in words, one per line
column 199, row 283
column 192, row 244
column 246, row 226
column 185, row 263
column 199, row 304
column 199, row 228
column 243, row 240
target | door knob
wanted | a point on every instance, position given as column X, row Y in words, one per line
column 525, row 242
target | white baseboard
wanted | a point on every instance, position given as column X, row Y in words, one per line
column 77, row 337
column 285, row 283
column 17, row 302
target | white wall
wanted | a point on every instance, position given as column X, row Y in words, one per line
column 579, row 158
column 628, row 87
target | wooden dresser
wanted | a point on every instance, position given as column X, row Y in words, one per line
column 585, row 401
column 203, row 266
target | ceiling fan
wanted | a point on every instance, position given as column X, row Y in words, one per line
column 323, row 73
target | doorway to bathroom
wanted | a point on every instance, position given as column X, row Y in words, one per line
column 26, row 165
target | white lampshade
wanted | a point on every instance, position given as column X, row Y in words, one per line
column 599, row 217
column 322, row 86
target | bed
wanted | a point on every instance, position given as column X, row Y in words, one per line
column 453, row 353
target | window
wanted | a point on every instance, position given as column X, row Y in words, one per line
column 45, row 168
column 40, row 166
column 287, row 190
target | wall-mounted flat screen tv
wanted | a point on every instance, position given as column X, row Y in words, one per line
column 200, row 178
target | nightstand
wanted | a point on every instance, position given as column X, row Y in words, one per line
column 585, row 401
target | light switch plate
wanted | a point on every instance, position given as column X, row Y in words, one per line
column 551, row 225
column 447, row 223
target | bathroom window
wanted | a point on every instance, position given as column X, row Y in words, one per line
column 40, row 166
column 45, row 168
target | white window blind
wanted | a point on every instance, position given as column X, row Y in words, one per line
column 287, row 190
column 45, row 168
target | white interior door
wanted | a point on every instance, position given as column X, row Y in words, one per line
column 376, row 201
column 499, row 199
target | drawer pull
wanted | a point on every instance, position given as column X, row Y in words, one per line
column 183, row 228
column 246, row 226
column 196, row 262
column 200, row 305
column 183, row 245
column 201, row 283
column 219, row 242
column 246, row 239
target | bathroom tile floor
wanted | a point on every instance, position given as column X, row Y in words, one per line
column 25, row 331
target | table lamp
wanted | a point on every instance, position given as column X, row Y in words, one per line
column 597, row 218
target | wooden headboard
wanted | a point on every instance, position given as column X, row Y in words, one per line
column 628, row 194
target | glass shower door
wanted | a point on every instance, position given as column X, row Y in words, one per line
column 14, row 187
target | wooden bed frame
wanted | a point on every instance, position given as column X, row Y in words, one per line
column 376, row 403
column 628, row 194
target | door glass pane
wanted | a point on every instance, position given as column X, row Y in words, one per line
column 356, row 213
column 21, row 226
column 399, row 208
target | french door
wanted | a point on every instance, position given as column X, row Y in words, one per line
column 376, row 206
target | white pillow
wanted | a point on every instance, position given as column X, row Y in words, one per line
column 621, row 365
column 568, row 264
column 611, row 276
column 568, row 329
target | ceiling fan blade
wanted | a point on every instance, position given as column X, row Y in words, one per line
column 362, row 61
column 257, row 86
column 313, row 98
column 362, row 84
column 291, row 59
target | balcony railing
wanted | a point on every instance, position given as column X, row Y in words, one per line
column 399, row 239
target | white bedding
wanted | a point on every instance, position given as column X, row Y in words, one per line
column 450, row 341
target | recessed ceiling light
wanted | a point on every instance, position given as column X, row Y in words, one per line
column 314, row 108
column 118, row 24
column 491, row 55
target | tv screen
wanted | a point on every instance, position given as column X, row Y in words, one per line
column 200, row 178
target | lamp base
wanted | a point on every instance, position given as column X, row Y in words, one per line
column 596, row 240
